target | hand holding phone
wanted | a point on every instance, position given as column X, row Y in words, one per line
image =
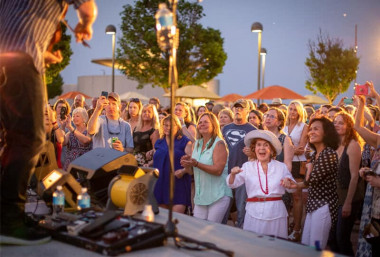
column 361, row 89
column 348, row 101
column 105, row 94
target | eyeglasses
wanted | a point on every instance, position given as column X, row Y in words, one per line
column 136, row 100
column 269, row 116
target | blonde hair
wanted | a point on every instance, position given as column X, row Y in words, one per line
column 216, row 132
column 300, row 110
column 177, row 123
column 155, row 120
column 227, row 112
column 188, row 116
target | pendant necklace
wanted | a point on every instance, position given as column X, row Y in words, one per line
column 266, row 179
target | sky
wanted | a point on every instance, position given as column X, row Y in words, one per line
column 288, row 25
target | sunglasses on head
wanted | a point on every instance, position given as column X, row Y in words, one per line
column 136, row 100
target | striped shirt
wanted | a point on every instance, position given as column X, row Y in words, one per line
column 28, row 26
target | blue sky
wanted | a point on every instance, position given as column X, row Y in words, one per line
column 288, row 26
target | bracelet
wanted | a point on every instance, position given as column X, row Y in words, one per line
column 53, row 123
column 183, row 126
column 196, row 165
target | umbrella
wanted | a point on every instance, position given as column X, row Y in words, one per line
column 313, row 99
column 274, row 92
column 194, row 92
column 108, row 62
column 231, row 97
column 131, row 94
column 73, row 94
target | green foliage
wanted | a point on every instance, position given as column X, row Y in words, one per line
column 200, row 56
column 332, row 68
column 52, row 72
column 55, row 87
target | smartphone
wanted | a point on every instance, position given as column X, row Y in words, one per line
column 361, row 90
column 105, row 94
column 370, row 172
column 63, row 113
column 348, row 101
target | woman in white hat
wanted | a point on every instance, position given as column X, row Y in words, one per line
column 264, row 181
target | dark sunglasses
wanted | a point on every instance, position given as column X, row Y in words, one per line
column 136, row 100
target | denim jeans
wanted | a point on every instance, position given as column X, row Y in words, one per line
column 240, row 197
column 22, row 97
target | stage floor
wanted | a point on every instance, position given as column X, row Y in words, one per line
column 242, row 243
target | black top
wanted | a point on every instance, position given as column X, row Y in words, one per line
column 344, row 174
column 141, row 140
column 280, row 157
column 322, row 183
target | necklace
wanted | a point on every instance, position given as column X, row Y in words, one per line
column 266, row 179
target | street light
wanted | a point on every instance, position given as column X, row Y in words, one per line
column 257, row 27
column 111, row 30
column 263, row 53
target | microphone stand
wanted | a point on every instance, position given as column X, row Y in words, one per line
column 170, row 227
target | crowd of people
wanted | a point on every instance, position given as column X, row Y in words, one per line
column 292, row 171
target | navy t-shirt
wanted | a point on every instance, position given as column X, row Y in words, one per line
column 234, row 136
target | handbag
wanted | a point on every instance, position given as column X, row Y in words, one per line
column 371, row 232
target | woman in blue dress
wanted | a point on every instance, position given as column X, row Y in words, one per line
column 161, row 161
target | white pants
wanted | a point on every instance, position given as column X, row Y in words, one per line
column 317, row 227
column 213, row 212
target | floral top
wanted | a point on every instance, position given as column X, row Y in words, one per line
column 376, row 191
column 322, row 183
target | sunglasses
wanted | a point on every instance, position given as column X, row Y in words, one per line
column 136, row 100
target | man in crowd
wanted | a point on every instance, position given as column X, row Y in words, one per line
column 110, row 131
column 23, row 56
column 156, row 102
column 79, row 101
column 234, row 134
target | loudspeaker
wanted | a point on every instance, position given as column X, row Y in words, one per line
column 46, row 163
column 96, row 168
column 58, row 177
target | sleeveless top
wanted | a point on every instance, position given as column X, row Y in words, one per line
column 295, row 136
column 142, row 144
column 344, row 178
column 208, row 188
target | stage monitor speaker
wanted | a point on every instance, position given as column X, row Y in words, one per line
column 58, row 177
column 96, row 168
column 46, row 163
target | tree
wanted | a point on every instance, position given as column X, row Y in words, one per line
column 200, row 56
column 332, row 68
column 55, row 86
column 53, row 79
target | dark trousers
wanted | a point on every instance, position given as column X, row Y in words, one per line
column 340, row 236
column 22, row 97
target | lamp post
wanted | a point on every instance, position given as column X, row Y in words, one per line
column 258, row 27
column 263, row 53
column 111, row 30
